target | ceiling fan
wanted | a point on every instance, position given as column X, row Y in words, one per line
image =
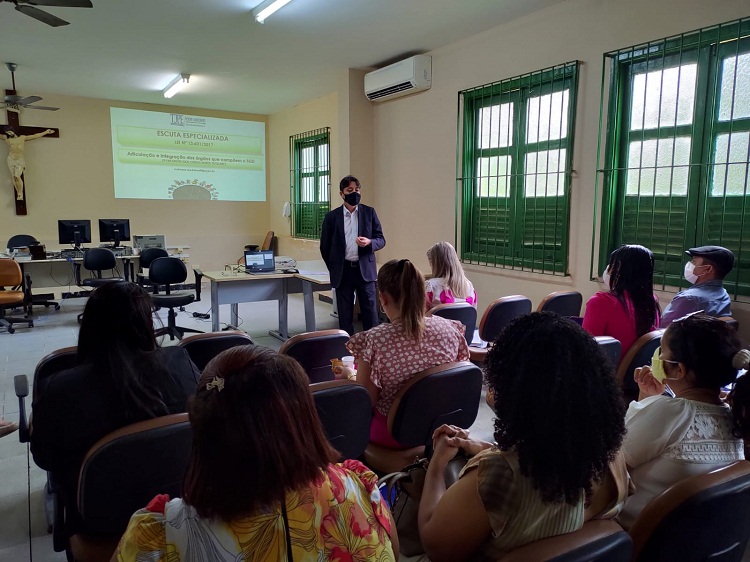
column 27, row 7
column 17, row 102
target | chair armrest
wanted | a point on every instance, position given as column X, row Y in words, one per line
column 198, row 277
column 21, row 384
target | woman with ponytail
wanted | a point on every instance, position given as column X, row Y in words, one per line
column 390, row 354
column 694, row 432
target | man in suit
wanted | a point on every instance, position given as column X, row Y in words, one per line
column 350, row 236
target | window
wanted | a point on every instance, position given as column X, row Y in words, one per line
column 515, row 160
column 311, row 181
column 677, row 148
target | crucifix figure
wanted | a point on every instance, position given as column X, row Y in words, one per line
column 16, row 136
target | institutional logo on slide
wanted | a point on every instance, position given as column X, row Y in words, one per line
column 193, row 189
column 178, row 119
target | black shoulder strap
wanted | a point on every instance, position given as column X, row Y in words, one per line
column 289, row 555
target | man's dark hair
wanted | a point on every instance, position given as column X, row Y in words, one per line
column 344, row 183
column 557, row 404
column 256, row 436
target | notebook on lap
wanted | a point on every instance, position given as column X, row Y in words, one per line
column 259, row 262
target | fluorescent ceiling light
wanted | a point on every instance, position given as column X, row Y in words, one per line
column 176, row 85
column 264, row 10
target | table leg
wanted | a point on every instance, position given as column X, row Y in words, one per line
column 214, row 306
column 235, row 314
column 307, row 292
column 283, row 331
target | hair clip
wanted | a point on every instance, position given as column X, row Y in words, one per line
column 216, row 382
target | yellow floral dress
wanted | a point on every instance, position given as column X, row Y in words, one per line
column 341, row 517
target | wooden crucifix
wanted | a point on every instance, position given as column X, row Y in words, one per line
column 16, row 136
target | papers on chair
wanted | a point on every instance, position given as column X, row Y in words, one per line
column 476, row 341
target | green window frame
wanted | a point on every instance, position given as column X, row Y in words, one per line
column 310, row 156
column 514, row 170
column 675, row 147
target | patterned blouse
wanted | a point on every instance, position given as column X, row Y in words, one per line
column 439, row 293
column 394, row 358
column 342, row 517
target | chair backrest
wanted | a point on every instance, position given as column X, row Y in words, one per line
column 345, row 410
column 124, row 470
column 21, row 240
column 10, row 274
column 99, row 259
column 167, row 271
column 54, row 362
column 500, row 313
column 447, row 393
column 564, row 303
column 638, row 355
column 314, row 351
column 611, row 348
column 731, row 321
column 203, row 347
column 149, row 255
column 268, row 241
column 597, row 541
column 704, row 517
column 461, row 311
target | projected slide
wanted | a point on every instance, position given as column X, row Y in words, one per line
column 177, row 156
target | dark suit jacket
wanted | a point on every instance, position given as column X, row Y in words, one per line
column 333, row 242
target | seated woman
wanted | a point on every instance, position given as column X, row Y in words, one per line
column 559, row 423
column 448, row 283
column 390, row 354
column 261, row 483
column 122, row 377
column 695, row 432
column 629, row 308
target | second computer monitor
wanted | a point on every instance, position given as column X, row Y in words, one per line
column 114, row 230
column 74, row 232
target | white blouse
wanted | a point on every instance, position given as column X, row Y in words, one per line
column 670, row 439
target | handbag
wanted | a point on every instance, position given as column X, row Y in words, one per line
column 407, row 485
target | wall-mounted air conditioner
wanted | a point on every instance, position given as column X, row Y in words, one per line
column 399, row 79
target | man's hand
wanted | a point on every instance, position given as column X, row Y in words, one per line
column 362, row 242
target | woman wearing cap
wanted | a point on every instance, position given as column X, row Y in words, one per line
column 707, row 268
column 669, row 439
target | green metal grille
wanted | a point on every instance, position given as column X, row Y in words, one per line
column 309, row 154
column 674, row 150
column 516, row 150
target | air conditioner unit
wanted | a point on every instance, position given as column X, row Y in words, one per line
column 399, row 79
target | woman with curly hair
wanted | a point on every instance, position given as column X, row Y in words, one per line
column 559, row 424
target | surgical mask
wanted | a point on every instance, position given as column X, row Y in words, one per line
column 352, row 198
column 689, row 274
column 605, row 279
column 657, row 366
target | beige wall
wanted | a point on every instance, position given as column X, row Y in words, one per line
column 415, row 137
column 71, row 178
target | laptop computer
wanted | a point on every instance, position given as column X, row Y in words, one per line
column 259, row 262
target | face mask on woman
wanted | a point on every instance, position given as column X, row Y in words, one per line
column 606, row 278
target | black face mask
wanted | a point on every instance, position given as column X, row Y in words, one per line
column 352, row 198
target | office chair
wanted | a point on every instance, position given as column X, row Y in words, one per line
column 446, row 393
column 168, row 272
column 144, row 262
column 345, row 411
column 203, row 347
column 564, row 303
column 611, row 348
column 96, row 260
column 314, row 351
column 20, row 241
column 267, row 243
column 704, row 517
column 638, row 355
column 499, row 314
column 461, row 311
column 11, row 277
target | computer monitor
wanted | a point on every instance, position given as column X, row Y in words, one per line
column 259, row 262
column 74, row 232
column 144, row 241
column 114, row 230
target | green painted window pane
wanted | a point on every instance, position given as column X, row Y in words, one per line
column 496, row 126
column 494, row 176
column 731, row 164
column 658, row 166
column 545, row 173
column 547, row 117
column 663, row 97
column 734, row 100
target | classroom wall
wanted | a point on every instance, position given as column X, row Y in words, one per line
column 71, row 178
column 415, row 137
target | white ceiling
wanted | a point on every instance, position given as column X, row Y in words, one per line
column 130, row 49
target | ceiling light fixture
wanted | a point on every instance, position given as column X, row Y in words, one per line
column 264, row 10
column 176, row 85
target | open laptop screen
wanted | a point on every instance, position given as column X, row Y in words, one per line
column 259, row 261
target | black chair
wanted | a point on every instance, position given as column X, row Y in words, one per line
column 168, row 272
column 21, row 241
column 611, row 348
column 345, row 410
column 597, row 541
column 203, row 347
column 499, row 314
column 314, row 351
column 447, row 393
column 96, row 260
column 638, row 355
column 461, row 311
column 144, row 262
column 704, row 517
column 564, row 303
column 121, row 473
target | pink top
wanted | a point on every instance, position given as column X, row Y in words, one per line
column 394, row 358
column 439, row 293
column 606, row 316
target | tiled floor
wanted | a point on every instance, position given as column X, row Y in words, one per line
column 19, row 354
